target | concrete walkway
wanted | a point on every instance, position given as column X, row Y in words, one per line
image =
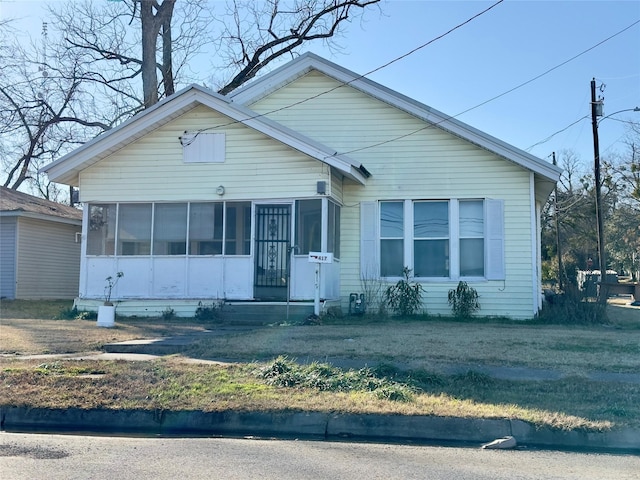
column 395, row 428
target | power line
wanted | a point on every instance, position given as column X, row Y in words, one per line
column 497, row 96
column 359, row 77
column 556, row 133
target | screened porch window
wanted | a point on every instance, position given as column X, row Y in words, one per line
column 199, row 228
column 170, row 229
column 238, row 229
column 333, row 229
column 309, row 225
column 134, row 229
column 205, row 229
column 101, row 234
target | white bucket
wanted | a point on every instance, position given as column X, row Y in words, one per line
column 106, row 315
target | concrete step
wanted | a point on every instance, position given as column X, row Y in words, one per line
column 253, row 313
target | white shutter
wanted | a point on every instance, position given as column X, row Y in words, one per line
column 369, row 265
column 203, row 147
column 495, row 239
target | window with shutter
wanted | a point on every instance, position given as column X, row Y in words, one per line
column 450, row 239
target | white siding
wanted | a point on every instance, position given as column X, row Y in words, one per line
column 423, row 162
column 48, row 260
column 7, row 257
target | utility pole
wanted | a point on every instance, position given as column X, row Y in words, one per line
column 557, row 219
column 602, row 257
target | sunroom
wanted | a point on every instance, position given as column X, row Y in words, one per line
column 249, row 250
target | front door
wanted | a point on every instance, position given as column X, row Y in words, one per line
column 273, row 238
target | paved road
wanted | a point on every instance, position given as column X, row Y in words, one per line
column 65, row 457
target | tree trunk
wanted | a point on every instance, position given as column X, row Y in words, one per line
column 149, row 37
column 167, row 61
column 151, row 25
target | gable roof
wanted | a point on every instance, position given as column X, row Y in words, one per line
column 546, row 173
column 66, row 169
column 14, row 204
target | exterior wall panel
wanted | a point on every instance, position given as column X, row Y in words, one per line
column 152, row 168
column 48, row 260
column 421, row 162
column 8, row 242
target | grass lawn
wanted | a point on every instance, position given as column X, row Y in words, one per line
column 421, row 386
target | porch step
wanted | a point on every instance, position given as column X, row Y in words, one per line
column 264, row 313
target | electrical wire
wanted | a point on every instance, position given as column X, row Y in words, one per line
column 497, row 96
column 359, row 77
column 556, row 133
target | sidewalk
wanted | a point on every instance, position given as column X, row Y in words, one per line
column 381, row 428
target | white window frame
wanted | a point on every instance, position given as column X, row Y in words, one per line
column 494, row 262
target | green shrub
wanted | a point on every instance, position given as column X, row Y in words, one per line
column 283, row 372
column 570, row 309
column 67, row 314
column 209, row 312
column 74, row 314
column 463, row 300
column 405, row 297
column 168, row 313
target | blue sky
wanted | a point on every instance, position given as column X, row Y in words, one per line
column 511, row 44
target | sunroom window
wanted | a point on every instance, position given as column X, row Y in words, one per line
column 101, row 232
column 309, row 225
column 205, row 229
column 170, row 229
column 134, row 229
column 238, row 228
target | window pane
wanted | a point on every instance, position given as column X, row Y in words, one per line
column 134, row 229
column 391, row 258
column 431, row 258
column 309, row 225
column 205, row 229
column 472, row 218
column 238, row 233
column 431, row 220
column 472, row 257
column 170, row 229
column 391, row 220
column 331, row 226
column 102, row 229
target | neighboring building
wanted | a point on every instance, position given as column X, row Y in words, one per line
column 204, row 197
column 39, row 247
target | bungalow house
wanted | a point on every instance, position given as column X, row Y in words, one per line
column 204, row 197
column 39, row 247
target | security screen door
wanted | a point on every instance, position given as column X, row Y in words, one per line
column 273, row 238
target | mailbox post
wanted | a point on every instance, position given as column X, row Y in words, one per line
column 318, row 258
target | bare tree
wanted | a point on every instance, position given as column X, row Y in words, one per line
column 135, row 37
column 43, row 110
column 103, row 61
column 261, row 32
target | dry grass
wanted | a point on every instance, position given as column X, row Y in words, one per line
column 434, row 344
column 423, row 347
column 173, row 384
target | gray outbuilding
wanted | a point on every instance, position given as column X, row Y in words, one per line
column 39, row 247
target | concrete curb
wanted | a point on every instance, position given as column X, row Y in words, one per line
column 391, row 428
